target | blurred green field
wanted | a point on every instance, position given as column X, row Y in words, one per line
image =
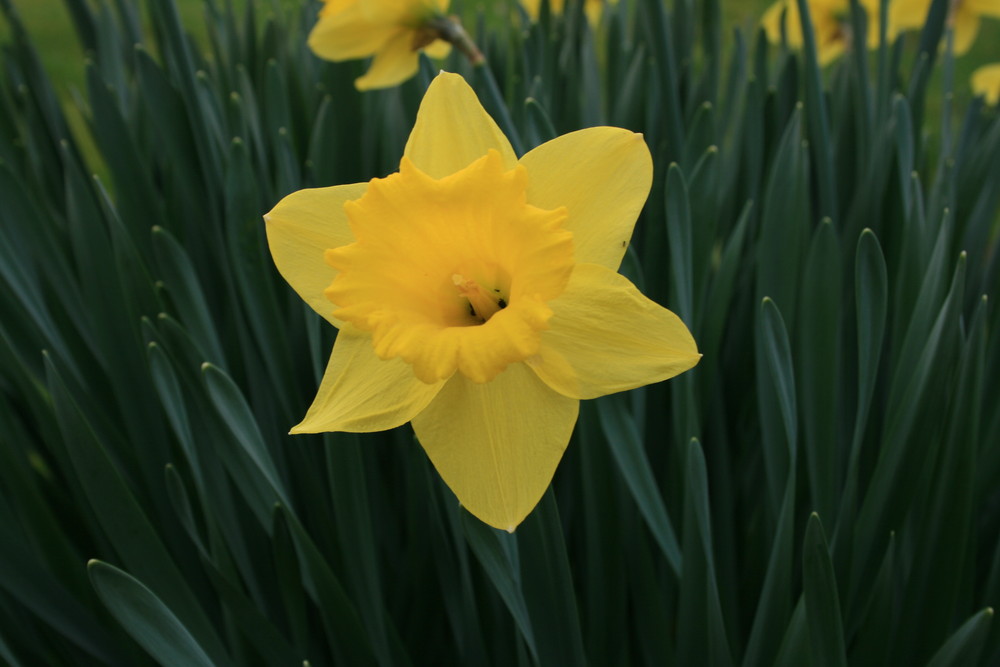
column 823, row 489
column 49, row 23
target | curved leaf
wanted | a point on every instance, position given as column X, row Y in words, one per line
column 146, row 618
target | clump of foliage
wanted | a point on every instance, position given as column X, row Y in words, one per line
column 824, row 488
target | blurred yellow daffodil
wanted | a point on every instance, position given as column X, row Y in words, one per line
column 477, row 295
column 393, row 31
column 963, row 16
column 593, row 8
column 831, row 24
column 986, row 82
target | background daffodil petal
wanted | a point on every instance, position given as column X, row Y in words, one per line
column 771, row 22
column 602, row 175
column 361, row 393
column 347, row 33
column 907, row 14
column 966, row 29
column 986, row 82
column 605, row 337
column 983, row 7
column 497, row 444
column 394, row 63
column 300, row 229
column 453, row 130
column 390, row 10
column 438, row 49
column 593, row 10
column 829, row 51
column 534, row 7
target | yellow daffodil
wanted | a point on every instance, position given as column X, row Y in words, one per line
column 477, row 296
column 592, row 8
column 963, row 16
column 986, row 82
column 831, row 24
column 393, row 31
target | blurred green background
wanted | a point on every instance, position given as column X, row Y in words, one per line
column 130, row 291
column 63, row 58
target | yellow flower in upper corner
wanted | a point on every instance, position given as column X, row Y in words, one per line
column 593, row 8
column 831, row 25
column 963, row 17
column 477, row 295
column 393, row 31
column 986, row 82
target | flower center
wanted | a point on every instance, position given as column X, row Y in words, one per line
column 483, row 303
column 452, row 274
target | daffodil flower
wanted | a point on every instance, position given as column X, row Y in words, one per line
column 963, row 17
column 592, row 8
column 393, row 31
column 986, row 82
column 831, row 25
column 477, row 296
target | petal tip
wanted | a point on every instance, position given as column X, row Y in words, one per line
column 450, row 80
column 444, row 75
column 305, row 428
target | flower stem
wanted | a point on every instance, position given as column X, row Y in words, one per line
column 450, row 29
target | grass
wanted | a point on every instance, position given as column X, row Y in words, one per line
column 822, row 489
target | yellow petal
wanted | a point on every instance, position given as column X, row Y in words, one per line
column 594, row 9
column 966, row 29
column 829, row 50
column 401, row 12
column 871, row 8
column 828, row 19
column 394, row 63
column 983, row 7
column 602, row 175
column 771, row 22
column 532, row 7
column 453, row 130
column 300, row 229
column 986, row 82
column 438, row 49
column 497, row 445
column 907, row 14
column 392, row 10
column 605, row 336
column 344, row 32
column 361, row 393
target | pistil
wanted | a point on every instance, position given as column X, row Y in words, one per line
column 483, row 302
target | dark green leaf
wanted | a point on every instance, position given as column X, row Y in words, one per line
column 826, row 631
column 146, row 618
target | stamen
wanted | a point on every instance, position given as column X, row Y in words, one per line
column 483, row 303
